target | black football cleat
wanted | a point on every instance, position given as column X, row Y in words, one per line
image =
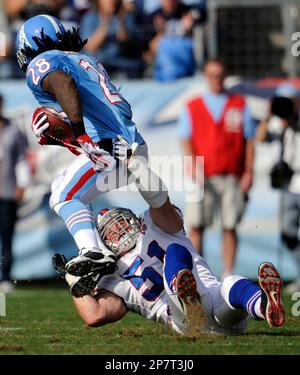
column 79, row 285
column 92, row 261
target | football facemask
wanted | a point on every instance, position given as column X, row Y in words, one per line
column 119, row 229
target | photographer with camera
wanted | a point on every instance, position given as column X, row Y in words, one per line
column 285, row 174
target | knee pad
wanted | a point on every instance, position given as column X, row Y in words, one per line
column 55, row 195
column 233, row 320
column 226, row 317
column 55, row 204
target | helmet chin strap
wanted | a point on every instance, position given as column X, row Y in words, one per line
column 22, row 60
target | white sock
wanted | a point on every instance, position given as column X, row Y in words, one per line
column 86, row 240
column 257, row 309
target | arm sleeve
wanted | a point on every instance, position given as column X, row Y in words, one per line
column 184, row 125
column 249, row 124
column 115, row 284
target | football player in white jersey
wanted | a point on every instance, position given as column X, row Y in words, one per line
column 162, row 277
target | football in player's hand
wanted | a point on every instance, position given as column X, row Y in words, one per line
column 59, row 129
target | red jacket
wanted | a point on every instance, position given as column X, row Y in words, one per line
column 222, row 144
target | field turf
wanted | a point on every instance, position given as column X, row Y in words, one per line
column 42, row 320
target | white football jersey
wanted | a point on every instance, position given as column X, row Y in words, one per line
column 139, row 280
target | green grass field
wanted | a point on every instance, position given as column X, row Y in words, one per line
column 43, row 321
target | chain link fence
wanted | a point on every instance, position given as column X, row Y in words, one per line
column 254, row 37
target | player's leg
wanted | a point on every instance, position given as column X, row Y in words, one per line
column 8, row 210
column 181, row 287
column 70, row 194
column 263, row 302
column 289, row 227
column 199, row 215
column 232, row 208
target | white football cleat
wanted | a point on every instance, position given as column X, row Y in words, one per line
column 271, row 303
column 101, row 261
column 185, row 287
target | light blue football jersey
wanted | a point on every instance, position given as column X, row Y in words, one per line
column 106, row 113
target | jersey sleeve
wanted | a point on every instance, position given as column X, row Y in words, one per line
column 45, row 64
column 117, row 285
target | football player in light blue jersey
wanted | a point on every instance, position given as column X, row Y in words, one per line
column 62, row 78
column 106, row 114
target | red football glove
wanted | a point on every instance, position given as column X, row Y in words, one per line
column 100, row 158
column 39, row 125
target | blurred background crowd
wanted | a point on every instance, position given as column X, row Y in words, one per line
column 212, row 78
column 133, row 38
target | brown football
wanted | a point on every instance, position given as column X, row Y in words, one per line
column 59, row 129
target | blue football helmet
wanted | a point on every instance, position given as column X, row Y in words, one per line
column 38, row 34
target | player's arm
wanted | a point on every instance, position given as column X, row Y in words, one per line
column 64, row 88
column 166, row 218
column 105, row 308
column 249, row 135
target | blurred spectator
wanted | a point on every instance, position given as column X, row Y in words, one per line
column 218, row 126
column 14, row 178
column 25, row 9
column 141, row 11
column 148, row 6
column 285, row 174
column 110, row 30
column 18, row 11
column 73, row 11
column 172, row 47
column 5, row 42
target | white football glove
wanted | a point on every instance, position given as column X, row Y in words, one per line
column 122, row 150
column 38, row 125
column 101, row 159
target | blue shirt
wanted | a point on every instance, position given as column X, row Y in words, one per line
column 110, row 48
column 106, row 113
column 215, row 104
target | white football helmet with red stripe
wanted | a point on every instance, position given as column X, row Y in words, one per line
column 119, row 229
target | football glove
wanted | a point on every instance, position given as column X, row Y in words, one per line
column 122, row 150
column 101, row 159
column 39, row 125
column 59, row 262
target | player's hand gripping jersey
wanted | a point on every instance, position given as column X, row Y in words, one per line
column 106, row 113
